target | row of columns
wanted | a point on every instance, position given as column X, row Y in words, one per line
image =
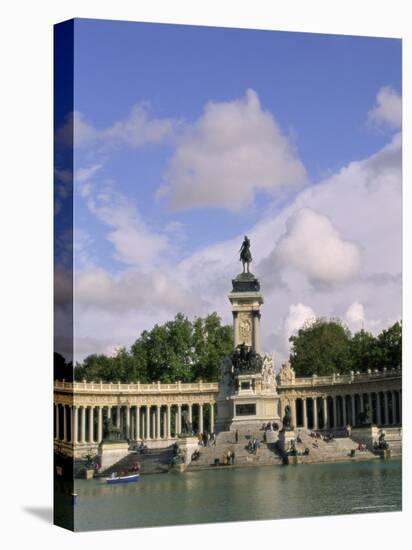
column 336, row 411
column 154, row 422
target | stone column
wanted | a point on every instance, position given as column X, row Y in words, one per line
column 369, row 403
column 179, row 418
column 201, row 417
column 293, row 412
column 127, row 422
column 153, row 424
column 57, row 422
column 190, row 412
column 344, row 420
column 305, row 415
column 158, row 412
column 394, row 415
column 99, row 424
column 212, row 417
column 137, row 422
column 83, row 424
column 148, row 422
column 378, row 409
column 133, row 423
column 335, row 412
column 168, row 423
column 64, row 423
column 164, row 434
column 325, row 413
column 236, row 328
column 91, row 425
column 256, row 331
column 109, row 412
column 315, row 413
column 118, row 411
column 361, row 402
column 353, row 410
column 74, row 414
column 386, row 407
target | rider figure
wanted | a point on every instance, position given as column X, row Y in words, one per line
column 245, row 254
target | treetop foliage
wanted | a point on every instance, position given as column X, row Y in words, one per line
column 177, row 350
column 327, row 346
column 192, row 350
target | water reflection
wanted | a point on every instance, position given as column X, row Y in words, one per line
column 240, row 494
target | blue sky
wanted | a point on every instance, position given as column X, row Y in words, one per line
column 313, row 104
column 319, row 88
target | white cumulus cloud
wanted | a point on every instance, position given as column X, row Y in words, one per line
column 388, row 108
column 346, row 229
column 355, row 313
column 135, row 244
column 313, row 246
column 137, row 129
column 232, row 151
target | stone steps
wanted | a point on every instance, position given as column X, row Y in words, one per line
column 336, row 450
column 225, row 442
column 152, row 461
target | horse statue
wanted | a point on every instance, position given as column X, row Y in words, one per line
column 245, row 254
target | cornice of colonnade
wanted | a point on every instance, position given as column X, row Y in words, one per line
column 354, row 382
column 135, row 394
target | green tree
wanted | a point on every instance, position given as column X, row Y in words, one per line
column 96, row 367
column 321, row 348
column 365, row 352
column 211, row 342
column 390, row 347
column 177, row 350
column 167, row 350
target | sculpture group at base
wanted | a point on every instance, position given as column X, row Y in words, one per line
column 245, row 359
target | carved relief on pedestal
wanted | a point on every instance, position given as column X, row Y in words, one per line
column 245, row 328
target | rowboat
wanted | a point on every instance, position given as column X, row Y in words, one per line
column 122, row 479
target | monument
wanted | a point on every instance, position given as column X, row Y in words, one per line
column 247, row 387
column 113, row 447
column 185, row 445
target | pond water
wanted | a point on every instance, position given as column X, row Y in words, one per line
column 240, row 494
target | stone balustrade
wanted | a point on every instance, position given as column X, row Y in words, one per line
column 116, row 387
column 339, row 379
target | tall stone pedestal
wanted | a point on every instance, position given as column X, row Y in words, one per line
column 188, row 445
column 247, row 388
column 111, row 452
column 285, row 439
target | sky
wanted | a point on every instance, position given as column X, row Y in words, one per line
column 187, row 138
